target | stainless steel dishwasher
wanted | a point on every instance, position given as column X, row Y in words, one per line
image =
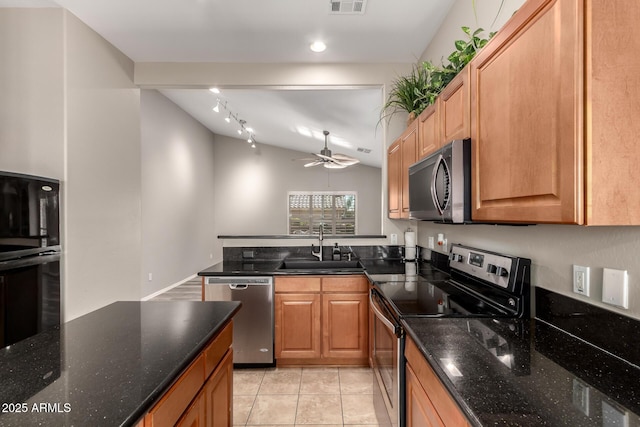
column 253, row 325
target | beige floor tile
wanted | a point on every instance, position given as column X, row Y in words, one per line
column 247, row 381
column 281, row 381
column 356, row 381
column 320, row 381
column 319, row 409
column 241, row 408
column 358, row 409
column 273, row 409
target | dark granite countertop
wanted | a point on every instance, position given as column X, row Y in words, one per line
column 386, row 269
column 106, row 368
column 528, row 373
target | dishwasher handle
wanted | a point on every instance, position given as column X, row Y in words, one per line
column 238, row 287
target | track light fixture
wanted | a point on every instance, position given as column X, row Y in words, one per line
column 241, row 123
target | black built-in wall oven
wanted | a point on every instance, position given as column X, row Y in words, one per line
column 29, row 256
column 469, row 283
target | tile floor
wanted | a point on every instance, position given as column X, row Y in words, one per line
column 307, row 397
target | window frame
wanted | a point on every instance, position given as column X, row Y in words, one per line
column 330, row 232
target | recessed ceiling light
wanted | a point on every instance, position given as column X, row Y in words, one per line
column 214, row 90
column 318, row 46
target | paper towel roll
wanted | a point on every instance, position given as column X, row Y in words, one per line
column 410, row 245
column 409, row 239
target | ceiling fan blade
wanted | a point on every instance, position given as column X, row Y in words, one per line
column 314, row 163
column 322, row 156
column 334, row 165
column 344, row 159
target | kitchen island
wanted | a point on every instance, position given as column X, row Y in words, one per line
column 109, row 367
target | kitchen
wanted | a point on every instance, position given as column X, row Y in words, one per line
column 113, row 165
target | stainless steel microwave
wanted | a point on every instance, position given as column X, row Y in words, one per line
column 440, row 185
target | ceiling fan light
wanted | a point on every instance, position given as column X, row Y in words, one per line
column 217, row 108
column 228, row 118
column 332, row 165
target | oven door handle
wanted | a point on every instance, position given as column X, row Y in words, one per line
column 392, row 327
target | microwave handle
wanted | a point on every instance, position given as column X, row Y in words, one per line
column 434, row 197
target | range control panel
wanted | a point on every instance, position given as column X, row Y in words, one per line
column 488, row 266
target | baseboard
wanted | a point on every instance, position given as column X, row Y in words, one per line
column 161, row 291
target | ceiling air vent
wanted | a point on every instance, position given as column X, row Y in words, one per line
column 364, row 150
column 348, row 7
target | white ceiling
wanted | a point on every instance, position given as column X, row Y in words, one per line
column 273, row 31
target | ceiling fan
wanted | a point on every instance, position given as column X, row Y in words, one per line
column 325, row 158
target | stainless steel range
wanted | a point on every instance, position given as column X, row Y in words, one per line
column 478, row 284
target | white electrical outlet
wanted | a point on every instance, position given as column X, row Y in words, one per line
column 431, row 242
column 615, row 287
column 581, row 280
column 394, row 239
column 150, row 276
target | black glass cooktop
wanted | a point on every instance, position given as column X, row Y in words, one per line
column 420, row 298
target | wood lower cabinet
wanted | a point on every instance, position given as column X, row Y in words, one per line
column 428, row 403
column 297, row 326
column 202, row 395
column 322, row 320
column 218, row 392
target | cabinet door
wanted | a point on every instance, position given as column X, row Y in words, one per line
column 218, row 391
column 409, row 148
column 455, row 108
column 428, row 131
column 393, row 180
column 345, row 326
column 297, row 326
column 195, row 415
column 526, row 117
column 420, row 410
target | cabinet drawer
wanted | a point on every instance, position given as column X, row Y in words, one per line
column 177, row 399
column 345, row 284
column 215, row 351
column 297, row 284
column 446, row 408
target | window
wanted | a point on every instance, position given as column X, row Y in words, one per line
column 336, row 210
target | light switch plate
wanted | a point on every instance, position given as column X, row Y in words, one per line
column 615, row 287
column 581, row 280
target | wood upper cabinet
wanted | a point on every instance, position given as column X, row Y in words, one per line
column 394, row 189
column 428, row 403
column 322, row 320
column 554, row 116
column 428, row 131
column 409, row 148
column 400, row 155
column 454, row 109
column 526, row 124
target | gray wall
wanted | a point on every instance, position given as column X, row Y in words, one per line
column 71, row 112
column 178, row 232
column 252, row 185
column 552, row 248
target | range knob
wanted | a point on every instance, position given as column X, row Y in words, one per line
column 501, row 271
column 456, row 258
column 491, row 268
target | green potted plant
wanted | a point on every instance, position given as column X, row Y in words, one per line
column 408, row 93
column 420, row 88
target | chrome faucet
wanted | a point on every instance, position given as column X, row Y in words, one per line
column 320, row 239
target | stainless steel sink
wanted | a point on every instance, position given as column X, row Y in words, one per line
column 312, row 265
